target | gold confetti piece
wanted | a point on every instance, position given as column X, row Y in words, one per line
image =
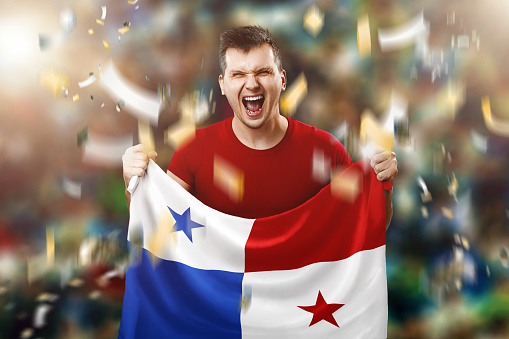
column 106, row 46
column 450, row 98
column 26, row 333
column 91, row 31
column 372, row 133
column 94, row 295
column 100, row 22
column 76, row 97
column 347, row 186
column 294, row 95
column 245, row 299
column 228, row 178
column 465, row 243
column 185, row 128
column 493, row 124
column 458, row 284
column 53, row 81
column 447, row 212
column 452, row 188
column 123, row 30
column 146, row 137
column 426, row 197
column 76, row 282
column 504, row 256
column 132, row 2
column 363, row 36
column 50, row 245
column 424, row 212
column 163, row 236
column 47, row 297
column 313, row 20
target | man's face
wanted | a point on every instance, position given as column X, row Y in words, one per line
column 252, row 84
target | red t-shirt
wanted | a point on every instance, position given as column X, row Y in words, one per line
column 232, row 178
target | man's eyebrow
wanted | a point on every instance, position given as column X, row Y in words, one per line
column 261, row 69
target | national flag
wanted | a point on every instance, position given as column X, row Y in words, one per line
column 317, row 271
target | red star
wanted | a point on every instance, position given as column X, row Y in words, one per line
column 322, row 311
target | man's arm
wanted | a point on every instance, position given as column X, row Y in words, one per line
column 385, row 165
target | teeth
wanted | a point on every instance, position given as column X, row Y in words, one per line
column 254, row 98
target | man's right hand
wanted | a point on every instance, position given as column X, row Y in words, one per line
column 135, row 161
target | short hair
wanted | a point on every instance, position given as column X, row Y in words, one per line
column 246, row 38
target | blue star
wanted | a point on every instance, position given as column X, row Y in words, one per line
column 184, row 223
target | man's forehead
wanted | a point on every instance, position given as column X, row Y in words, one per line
column 257, row 57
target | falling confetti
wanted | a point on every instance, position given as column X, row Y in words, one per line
column 103, row 15
column 123, row 30
column 313, row 20
column 294, row 95
column 404, row 35
column 145, row 136
column 72, row 188
column 67, row 20
column 228, row 178
column 50, row 245
column 347, row 186
column 106, row 150
column 493, row 124
column 91, row 79
column 100, row 22
column 120, row 104
column 106, row 46
column 139, row 101
column 363, row 36
column 373, row 135
column 447, row 212
column 53, row 81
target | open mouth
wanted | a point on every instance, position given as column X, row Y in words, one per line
column 253, row 104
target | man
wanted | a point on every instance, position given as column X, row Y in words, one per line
column 258, row 163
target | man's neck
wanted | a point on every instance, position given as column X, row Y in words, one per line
column 265, row 137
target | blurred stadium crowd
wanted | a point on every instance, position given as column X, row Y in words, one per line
column 433, row 71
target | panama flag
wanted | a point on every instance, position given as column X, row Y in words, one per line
column 317, row 271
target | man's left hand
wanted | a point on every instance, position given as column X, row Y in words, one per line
column 385, row 165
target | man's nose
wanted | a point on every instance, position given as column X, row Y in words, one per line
column 252, row 81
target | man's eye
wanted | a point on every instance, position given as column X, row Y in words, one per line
column 264, row 73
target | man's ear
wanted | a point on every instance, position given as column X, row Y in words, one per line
column 221, row 83
column 283, row 78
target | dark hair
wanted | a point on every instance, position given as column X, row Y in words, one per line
column 246, row 38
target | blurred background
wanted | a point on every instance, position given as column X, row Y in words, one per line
column 80, row 81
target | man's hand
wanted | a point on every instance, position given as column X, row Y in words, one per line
column 135, row 161
column 385, row 166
